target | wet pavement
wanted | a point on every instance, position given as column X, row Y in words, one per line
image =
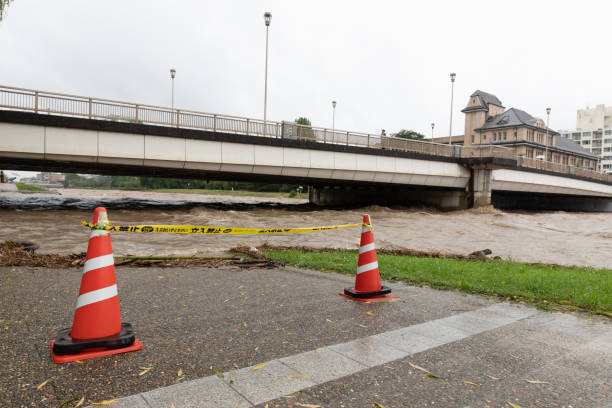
column 195, row 322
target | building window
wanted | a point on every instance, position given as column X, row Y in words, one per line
column 607, row 140
column 608, row 132
column 505, row 135
column 494, row 136
column 586, row 133
column 515, row 135
column 472, row 139
column 586, row 142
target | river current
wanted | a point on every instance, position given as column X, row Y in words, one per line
column 53, row 222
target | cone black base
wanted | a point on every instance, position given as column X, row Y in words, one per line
column 384, row 290
column 65, row 345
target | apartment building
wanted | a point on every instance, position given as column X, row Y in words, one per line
column 594, row 133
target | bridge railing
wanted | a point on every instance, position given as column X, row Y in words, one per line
column 42, row 102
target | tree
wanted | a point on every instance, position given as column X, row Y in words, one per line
column 303, row 121
column 305, row 129
column 3, row 5
column 409, row 134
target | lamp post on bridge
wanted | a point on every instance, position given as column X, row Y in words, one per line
column 172, row 75
column 547, row 124
column 450, row 131
column 333, row 118
column 432, row 128
column 267, row 19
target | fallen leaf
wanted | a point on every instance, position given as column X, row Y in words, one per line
column 305, row 377
column 289, row 396
column 244, row 324
column 537, row 382
column 144, row 370
column 308, row 405
column 472, row 384
column 329, row 320
column 377, row 405
column 513, row 405
column 231, row 377
column 430, row 375
column 71, row 400
column 180, row 372
column 259, row 367
column 319, row 349
column 172, row 406
column 105, row 402
column 81, row 401
column 370, row 313
column 78, row 361
column 493, row 378
column 419, row 368
column 42, row 384
column 220, row 373
column 160, row 277
column 564, row 302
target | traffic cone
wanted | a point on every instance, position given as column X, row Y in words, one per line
column 367, row 282
column 96, row 329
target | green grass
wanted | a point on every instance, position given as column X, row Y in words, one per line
column 549, row 287
column 224, row 192
column 28, row 187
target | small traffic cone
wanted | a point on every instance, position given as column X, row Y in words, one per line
column 367, row 282
column 96, row 329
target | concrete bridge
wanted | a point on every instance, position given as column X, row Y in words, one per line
column 57, row 132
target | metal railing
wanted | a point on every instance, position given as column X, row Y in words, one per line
column 42, row 102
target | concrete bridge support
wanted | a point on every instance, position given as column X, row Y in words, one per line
column 480, row 186
column 348, row 196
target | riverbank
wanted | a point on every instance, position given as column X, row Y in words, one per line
column 550, row 287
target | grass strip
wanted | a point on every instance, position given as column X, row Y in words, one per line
column 548, row 287
column 28, row 187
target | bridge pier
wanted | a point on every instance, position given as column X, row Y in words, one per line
column 480, row 187
column 396, row 195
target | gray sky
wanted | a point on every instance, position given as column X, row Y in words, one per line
column 387, row 63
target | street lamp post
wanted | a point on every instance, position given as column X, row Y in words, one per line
column 450, row 132
column 546, row 143
column 172, row 75
column 267, row 19
column 432, row 128
column 333, row 118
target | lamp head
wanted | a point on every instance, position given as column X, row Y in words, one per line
column 267, row 17
column 452, row 76
column 548, row 111
column 172, row 73
column 334, row 104
column 432, row 125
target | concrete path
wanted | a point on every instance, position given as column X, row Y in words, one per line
column 318, row 348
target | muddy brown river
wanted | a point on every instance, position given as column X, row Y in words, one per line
column 52, row 222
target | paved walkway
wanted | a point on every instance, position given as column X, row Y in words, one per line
column 318, row 348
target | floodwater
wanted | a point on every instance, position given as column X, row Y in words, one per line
column 53, row 222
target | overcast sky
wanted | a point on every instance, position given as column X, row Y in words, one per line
column 387, row 63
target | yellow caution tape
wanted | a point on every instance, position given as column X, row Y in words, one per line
column 205, row 229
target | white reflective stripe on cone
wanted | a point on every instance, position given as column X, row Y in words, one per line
column 98, row 262
column 367, row 267
column 366, row 248
column 96, row 296
column 98, row 233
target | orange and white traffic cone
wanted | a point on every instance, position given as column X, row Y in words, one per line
column 96, row 329
column 367, row 282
